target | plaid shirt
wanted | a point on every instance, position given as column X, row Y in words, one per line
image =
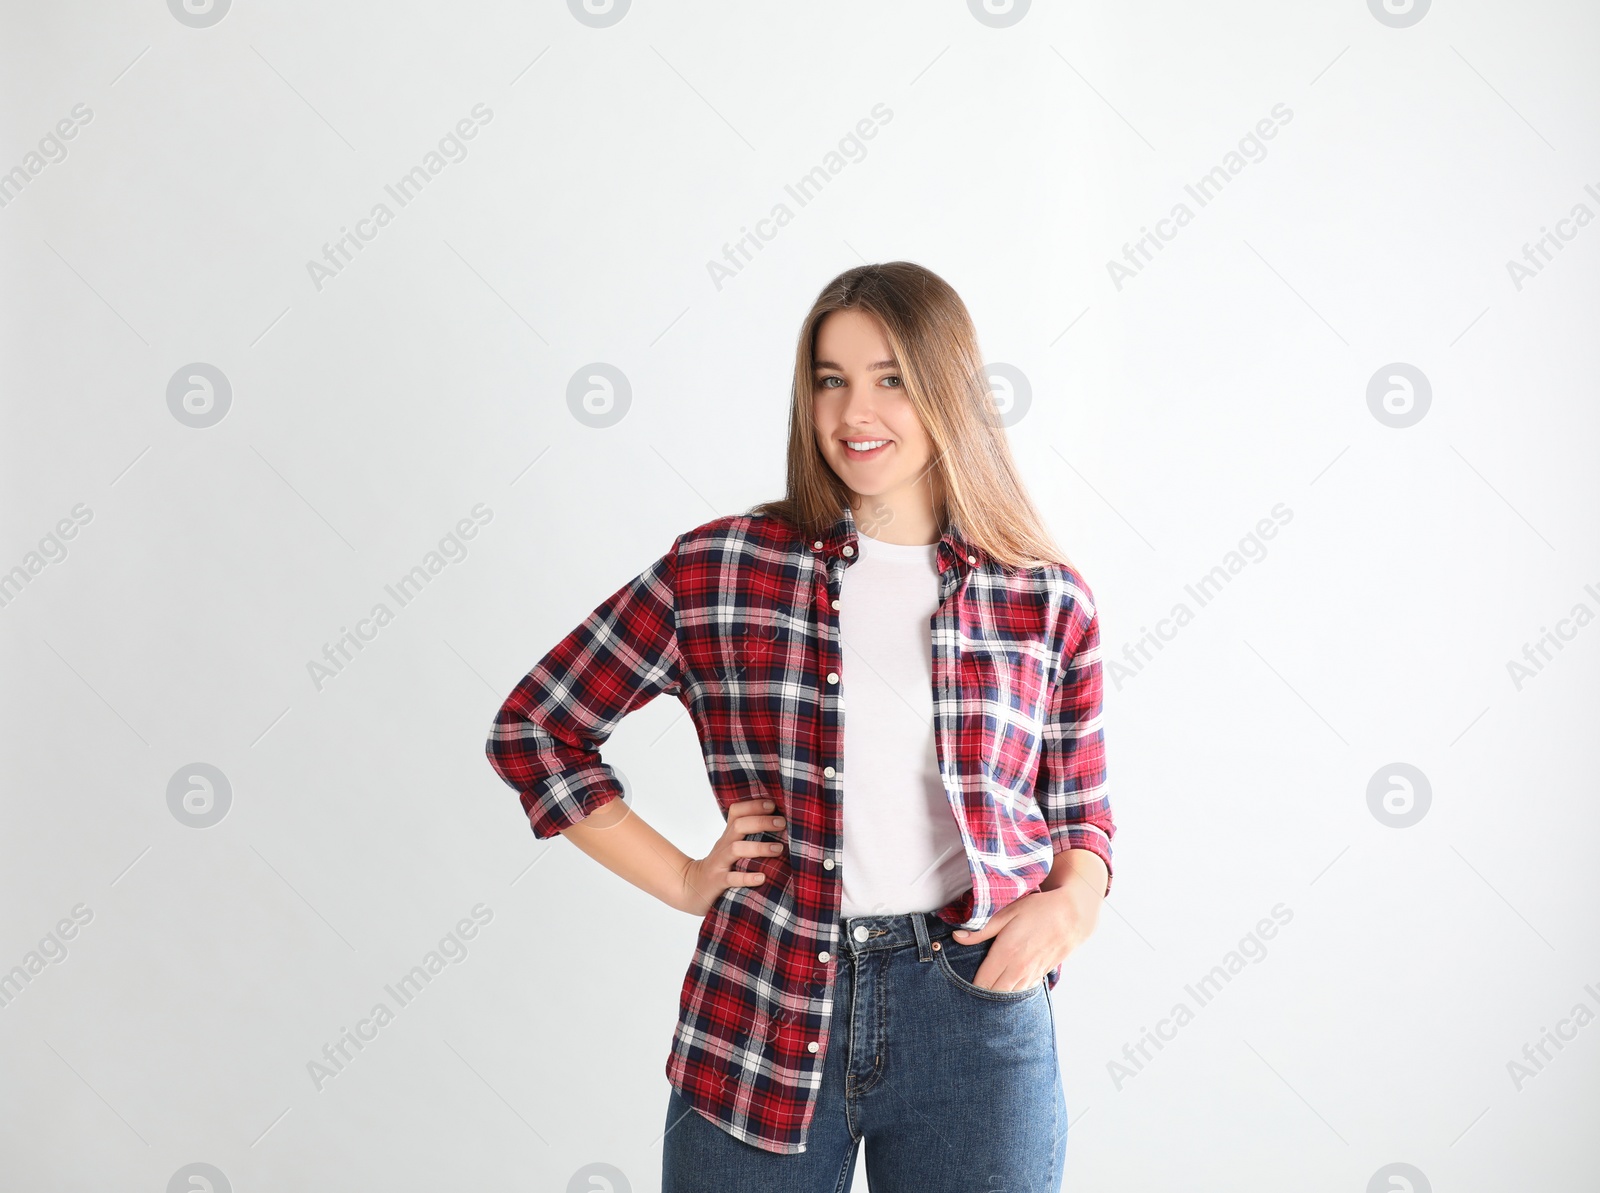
column 739, row 620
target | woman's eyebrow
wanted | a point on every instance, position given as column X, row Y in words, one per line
column 880, row 364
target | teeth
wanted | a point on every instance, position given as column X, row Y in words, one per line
column 866, row 445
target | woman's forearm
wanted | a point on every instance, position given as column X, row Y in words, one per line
column 1077, row 868
column 620, row 840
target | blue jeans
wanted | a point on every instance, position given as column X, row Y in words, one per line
column 955, row 1088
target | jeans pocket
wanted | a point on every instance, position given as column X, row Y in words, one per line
column 959, row 963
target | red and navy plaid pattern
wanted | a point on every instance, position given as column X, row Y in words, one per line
column 739, row 620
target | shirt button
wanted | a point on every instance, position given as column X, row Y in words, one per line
column 811, row 1047
column 835, row 604
column 833, row 677
column 824, row 955
column 827, row 863
column 829, row 771
column 861, row 932
column 817, row 544
column 972, row 559
column 848, row 550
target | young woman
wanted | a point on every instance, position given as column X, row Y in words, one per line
column 896, row 680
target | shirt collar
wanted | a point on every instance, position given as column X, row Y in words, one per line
column 839, row 541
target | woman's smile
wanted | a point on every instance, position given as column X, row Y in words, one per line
column 866, row 449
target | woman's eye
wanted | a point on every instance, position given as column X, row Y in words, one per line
column 823, row 382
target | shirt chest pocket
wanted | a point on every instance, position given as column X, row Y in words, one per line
column 1005, row 689
column 742, row 652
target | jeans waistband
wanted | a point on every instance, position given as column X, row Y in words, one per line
column 875, row 933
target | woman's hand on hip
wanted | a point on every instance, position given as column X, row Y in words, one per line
column 705, row 879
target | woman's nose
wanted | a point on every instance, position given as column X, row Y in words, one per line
column 857, row 409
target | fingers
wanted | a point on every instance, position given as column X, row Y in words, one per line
column 746, row 817
column 757, row 848
column 741, row 877
column 750, row 806
column 992, row 928
column 1012, row 979
column 1005, row 976
column 765, row 822
column 707, row 879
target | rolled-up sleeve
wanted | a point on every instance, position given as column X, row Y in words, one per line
column 1071, row 787
column 546, row 738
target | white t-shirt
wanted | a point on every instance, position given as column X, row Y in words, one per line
column 902, row 850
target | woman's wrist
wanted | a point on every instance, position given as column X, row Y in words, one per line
column 1075, row 889
column 687, row 898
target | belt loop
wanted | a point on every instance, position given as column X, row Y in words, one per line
column 919, row 925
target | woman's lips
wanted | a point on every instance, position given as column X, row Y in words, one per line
column 852, row 454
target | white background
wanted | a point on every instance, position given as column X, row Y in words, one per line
column 1167, row 416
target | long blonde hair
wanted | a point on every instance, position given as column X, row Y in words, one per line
column 931, row 334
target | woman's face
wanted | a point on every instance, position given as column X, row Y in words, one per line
column 858, row 399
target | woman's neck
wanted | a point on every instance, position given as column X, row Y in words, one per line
column 907, row 518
